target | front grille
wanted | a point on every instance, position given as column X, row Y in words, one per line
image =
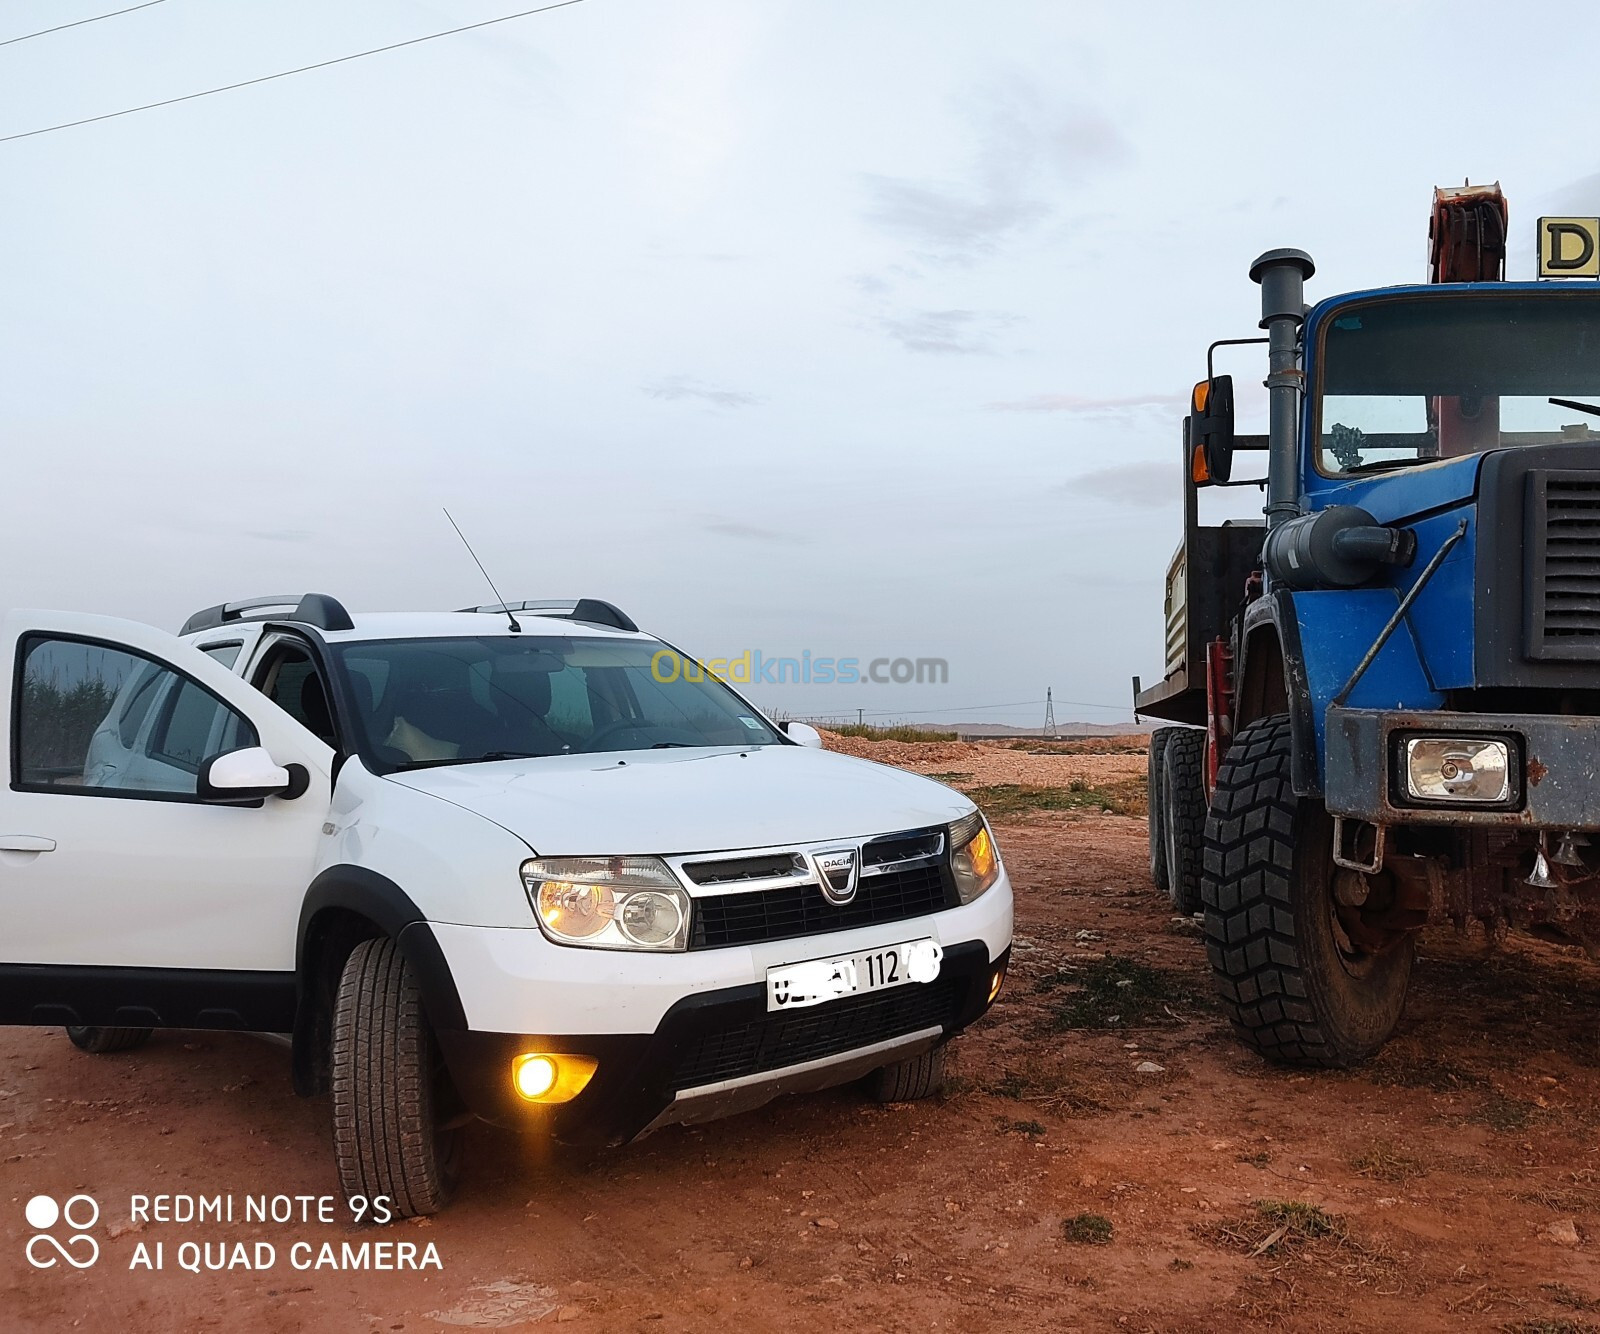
column 777, row 1040
column 1564, row 573
column 801, row 910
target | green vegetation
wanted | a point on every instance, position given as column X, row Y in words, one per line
column 1125, row 797
column 891, row 732
column 1114, row 992
column 1301, row 1221
column 1087, row 1229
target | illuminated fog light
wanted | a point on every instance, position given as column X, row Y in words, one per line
column 1465, row 769
column 534, row 1076
column 542, row 1077
column 995, row 983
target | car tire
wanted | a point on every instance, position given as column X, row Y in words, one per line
column 1153, row 801
column 387, row 1078
column 1183, row 819
column 906, row 1081
column 1296, row 987
column 103, row 1041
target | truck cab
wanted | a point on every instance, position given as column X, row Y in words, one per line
column 1388, row 694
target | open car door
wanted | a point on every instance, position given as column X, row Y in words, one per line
column 143, row 879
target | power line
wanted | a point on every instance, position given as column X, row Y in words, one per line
column 284, row 74
column 62, row 27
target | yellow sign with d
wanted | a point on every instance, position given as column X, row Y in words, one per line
column 1569, row 247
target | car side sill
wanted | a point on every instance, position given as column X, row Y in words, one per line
column 49, row 994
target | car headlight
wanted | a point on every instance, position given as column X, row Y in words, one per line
column 608, row 903
column 974, row 859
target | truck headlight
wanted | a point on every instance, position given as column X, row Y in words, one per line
column 974, row 859
column 1471, row 770
column 608, row 903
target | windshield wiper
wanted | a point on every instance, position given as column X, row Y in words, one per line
column 504, row 755
column 1590, row 408
column 1381, row 465
column 673, row 745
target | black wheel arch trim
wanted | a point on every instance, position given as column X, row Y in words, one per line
column 378, row 900
column 388, row 907
column 1277, row 610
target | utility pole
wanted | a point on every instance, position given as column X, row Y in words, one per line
column 860, row 714
column 1049, row 712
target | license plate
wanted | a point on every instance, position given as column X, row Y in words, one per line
column 796, row 985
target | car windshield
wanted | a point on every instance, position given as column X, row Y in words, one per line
column 1407, row 380
column 421, row 702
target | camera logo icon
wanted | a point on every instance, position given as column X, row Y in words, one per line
column 79, row 1213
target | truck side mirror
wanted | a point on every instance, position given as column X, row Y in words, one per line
column 1211, row 437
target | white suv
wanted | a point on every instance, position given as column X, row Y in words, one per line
column 498, row 862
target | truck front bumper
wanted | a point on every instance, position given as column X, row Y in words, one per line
column 1555, row 762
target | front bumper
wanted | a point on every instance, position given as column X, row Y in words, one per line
column 719, row 1052
column 1558, row 762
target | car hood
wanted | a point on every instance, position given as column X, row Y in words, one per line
column 690, row 800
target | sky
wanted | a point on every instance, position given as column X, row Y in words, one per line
column 851, row 327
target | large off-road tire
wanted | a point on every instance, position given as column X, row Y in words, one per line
column 1154, row 817
column 102, row 1041
column 1183, row 819
column 906, row 1081
column 1296, row 987
column 387, row 1082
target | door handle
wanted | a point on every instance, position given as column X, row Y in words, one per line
column 26, row 843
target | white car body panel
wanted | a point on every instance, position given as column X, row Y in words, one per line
column 146, row 883
column 692, row 800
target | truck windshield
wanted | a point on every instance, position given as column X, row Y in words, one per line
column 1406, row 380
column 422, row 702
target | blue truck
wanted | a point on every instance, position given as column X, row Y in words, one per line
column 1384, row 694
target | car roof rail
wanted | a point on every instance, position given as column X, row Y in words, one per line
column 315, row 609
column 591, row 611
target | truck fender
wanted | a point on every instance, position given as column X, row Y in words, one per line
column 1271, row 678
column 343, row 906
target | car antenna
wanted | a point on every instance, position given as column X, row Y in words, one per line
column 515, row 628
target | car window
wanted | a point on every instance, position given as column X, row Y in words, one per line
column 226, row 654
column 140, row 693
column 80, row 708
column 454, row 701
column 290, row 680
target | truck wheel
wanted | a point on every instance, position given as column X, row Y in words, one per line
column 387, row 1079
column 1297, row 987
column 906, row 1081
column 1158, row 835
column 104, row 1040
column 1183, row 819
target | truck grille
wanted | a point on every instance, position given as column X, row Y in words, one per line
column 1564, row 565
column 778, row 1040
column 801, row 910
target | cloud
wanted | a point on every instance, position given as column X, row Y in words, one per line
column 748, row 532
column 946, row 330
column 1028, row 153
column 1147, row 485
column 1089, row 406
column 676, row 388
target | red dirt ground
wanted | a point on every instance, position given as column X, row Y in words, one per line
column 1454, row 1180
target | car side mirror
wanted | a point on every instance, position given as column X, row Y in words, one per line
column 804, row 734
column 241, row 777
column 1211, row 430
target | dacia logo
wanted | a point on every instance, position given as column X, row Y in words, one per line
column 836, row 872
